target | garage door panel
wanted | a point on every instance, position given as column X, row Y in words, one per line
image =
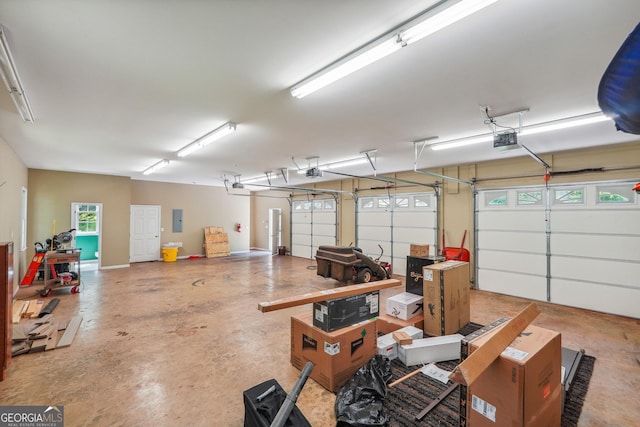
column 399, row 265
column 526, row 219
column 370, row 248
column 422, row 218
column 301, row 251
column 324, row 217
column 374, row 218
column 524, row 286
column 591, row 296
column 595, row 246
column 301, row 229
column 606, row 221
column 513, row 241
column 324, row 230
column 408, row 235
column 596, row 270
column 513, row 261
column 374, row 233
column 302, row 239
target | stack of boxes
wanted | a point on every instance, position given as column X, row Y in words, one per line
column 216, row 242
column 339, row 337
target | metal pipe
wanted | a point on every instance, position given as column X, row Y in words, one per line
column 290, row 401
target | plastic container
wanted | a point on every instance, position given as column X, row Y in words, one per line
column 169, row 254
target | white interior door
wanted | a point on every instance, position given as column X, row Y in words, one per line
column 275, row 229
column 145, row 233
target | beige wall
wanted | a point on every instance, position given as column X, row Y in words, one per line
column 260, row 219
column 14, row 177
column 202, row 206
column 51, row 194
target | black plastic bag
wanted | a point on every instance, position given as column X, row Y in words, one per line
column 360, row 401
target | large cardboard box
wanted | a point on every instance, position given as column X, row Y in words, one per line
column 404, row 305
column 346, row 311
column 522, row 387
column 419, row 250
column 336, row 355
column 446, row 297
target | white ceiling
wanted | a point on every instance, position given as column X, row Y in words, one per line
column 116, row 86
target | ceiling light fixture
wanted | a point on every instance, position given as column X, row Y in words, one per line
column 207, row 139
column 11, row 79
column 432, row 20
column 162, row 163
column 554, row 125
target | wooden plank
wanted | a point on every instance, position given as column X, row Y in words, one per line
column 469, row 370
column 18, row 333
column 30, row 309
column 18, row 309
column 328, row 294
column 37, row 309
column 52, row 342
column 70, row 332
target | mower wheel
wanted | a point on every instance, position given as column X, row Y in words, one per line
column 364, row 275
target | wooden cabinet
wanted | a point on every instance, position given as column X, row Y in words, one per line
column 6, row 304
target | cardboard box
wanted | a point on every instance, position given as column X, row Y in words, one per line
column 427, row 350
column 413, row 278
column 419, row 250
column 216, row 249
column 446, row 297
column 213, row 230
column 336, row 355
column 346, row 311
column 388, row 346
column 404, row 305
column 522, row 387
column 387, row 324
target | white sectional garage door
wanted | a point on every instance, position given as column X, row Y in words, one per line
column 576, row 245
column 394, row 222
column 313, row 224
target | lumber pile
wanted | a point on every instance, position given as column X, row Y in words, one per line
column 43, row 334
column 35, row 329
column 216, row 242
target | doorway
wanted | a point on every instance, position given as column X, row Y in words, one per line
column 86, row 219
column 145, row 233
column 275, row 229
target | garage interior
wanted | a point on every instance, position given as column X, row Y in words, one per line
column 486, row 137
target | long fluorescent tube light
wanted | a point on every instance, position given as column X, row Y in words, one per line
column 430, row 21
column 207, row 139
column 11, row 79
column 156, row 167
column 554, row 125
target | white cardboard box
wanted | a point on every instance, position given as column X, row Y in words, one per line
column 404, row 306
column 427, row 350
column 387, row 346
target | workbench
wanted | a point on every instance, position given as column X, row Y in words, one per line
column 51, row 276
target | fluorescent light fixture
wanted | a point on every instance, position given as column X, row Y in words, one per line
column 11, row 79
column 336, row 165
column 162, row 163
column 440, row 17
column 432, row 20
column 353, row 62
column 207, row 139
column 554, row 125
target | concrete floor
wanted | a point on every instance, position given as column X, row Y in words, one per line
column 166, row 344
